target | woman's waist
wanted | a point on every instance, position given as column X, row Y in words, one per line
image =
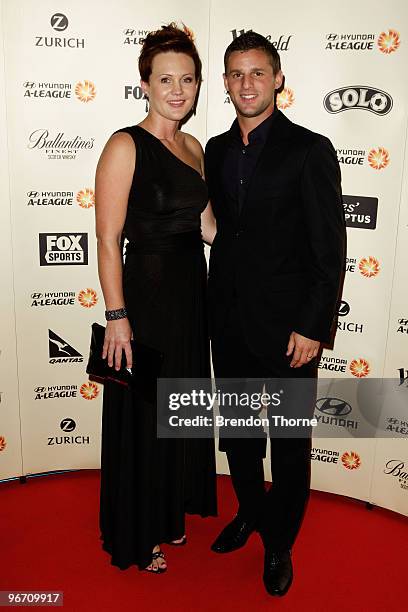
column 156, row 242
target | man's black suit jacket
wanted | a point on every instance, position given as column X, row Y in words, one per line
column 283, row 255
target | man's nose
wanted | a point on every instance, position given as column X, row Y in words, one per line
column 247, row 81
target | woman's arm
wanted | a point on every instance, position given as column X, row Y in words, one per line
column 208, row 224
column 114, row 175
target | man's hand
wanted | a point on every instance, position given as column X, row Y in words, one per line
column 303, row 349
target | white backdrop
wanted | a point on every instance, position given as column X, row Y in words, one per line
column 71, row 80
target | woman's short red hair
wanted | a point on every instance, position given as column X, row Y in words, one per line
column 168, row 38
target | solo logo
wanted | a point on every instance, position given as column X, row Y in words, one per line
column 63, row 249
column 60, row 351
column 358, row 97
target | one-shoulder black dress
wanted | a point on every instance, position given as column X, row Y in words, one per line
column 147, row 484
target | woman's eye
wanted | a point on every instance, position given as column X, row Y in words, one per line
column 188, row 80
column 164, row 80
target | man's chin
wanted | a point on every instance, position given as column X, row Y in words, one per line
column 250, row 112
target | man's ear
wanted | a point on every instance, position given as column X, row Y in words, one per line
column 224, row 76
column 279, row 80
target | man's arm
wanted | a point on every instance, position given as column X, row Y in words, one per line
column 326, row 238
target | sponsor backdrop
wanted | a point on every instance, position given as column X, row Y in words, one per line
column 71, row 80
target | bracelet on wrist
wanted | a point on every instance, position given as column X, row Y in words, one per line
column 113, row 315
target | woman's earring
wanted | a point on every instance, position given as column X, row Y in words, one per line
column 147, row 103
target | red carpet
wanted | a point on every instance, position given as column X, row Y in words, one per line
column 346, row 557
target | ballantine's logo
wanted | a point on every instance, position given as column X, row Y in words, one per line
column 358, row 97
column 360, row 368
column 396, row 468
column 351, row 460
column 280, row 44
column 87, row 298
column 285, row 98
column 57, row 147
column 3, row 443
column 85, row 91
column 388, row 42
column 89, row 390
column 378, row 158
column 369, row 266
column 86, row 198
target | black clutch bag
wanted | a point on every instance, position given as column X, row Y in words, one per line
column 145, row 370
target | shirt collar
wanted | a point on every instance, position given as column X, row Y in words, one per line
column 258, row 134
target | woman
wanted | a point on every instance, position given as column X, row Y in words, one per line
column 150, row 188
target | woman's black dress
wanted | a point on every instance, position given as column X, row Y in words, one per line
column 147, row 484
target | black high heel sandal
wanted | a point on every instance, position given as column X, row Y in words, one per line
column 159, row 570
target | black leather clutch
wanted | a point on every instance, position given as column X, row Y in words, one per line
column 145, row 370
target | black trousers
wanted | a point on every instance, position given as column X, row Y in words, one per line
column 277, row 512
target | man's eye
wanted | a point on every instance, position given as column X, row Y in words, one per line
column 258, row 73
column 236, row 75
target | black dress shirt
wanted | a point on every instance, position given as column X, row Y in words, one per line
column 241, row 159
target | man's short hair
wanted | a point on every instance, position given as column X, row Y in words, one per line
column 252, row 40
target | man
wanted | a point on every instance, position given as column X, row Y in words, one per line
column 275, row 274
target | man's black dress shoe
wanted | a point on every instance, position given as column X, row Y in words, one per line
column 233, row 536
column 278, row 572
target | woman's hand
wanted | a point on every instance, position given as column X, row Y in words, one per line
column 117, row 339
